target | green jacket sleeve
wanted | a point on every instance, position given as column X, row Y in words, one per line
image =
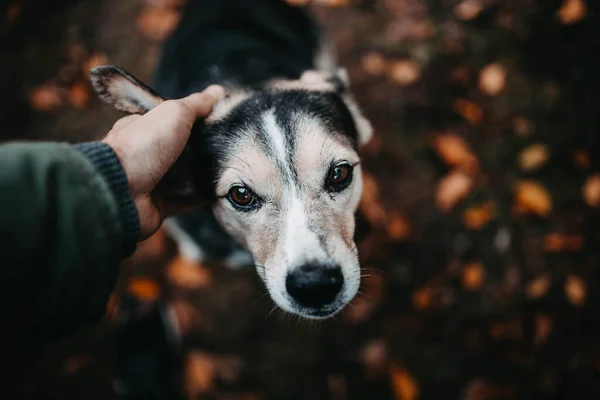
column 61, row 235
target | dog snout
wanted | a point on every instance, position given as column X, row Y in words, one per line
column 314, row 286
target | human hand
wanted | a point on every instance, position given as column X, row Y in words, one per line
column 148, row 145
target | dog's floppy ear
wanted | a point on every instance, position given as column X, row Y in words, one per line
column 123, row 91
column 340, row 81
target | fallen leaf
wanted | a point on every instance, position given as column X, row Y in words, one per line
column 188, row 274
column 534, row 156
column 404, row 72
column 79, row 95
column 455, row 152
column 476, row 217
column 182, row 317
column 370, row 205
column 557, row 242
column 94, row 60
column 543, row 327
column 46, row 97
column 571, row 11
column 492, row 79
column 200, row 373
column 522, row 127
column 473, row 276
column 404, row 385
column 581, row 159
column 156, row 23
column 398, row 228
column 452, row 188
column 422, row 298
column 468, row 9
column 532, row 197
column 575, row 290
column 144, row 289
column 373, row 63
column 538, row 287
column 468, row 110
column 591, row 190
column 373, row 356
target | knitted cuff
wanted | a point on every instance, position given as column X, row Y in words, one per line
column 104, row 159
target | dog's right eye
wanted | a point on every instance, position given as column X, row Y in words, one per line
column 242, row 198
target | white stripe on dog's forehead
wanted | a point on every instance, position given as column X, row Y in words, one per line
column 277, row 140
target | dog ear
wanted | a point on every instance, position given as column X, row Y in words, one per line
column 341, row 82
column 123, row 91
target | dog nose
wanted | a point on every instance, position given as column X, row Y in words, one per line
column 314, row 285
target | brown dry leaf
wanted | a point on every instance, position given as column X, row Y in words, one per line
column 538, row 287
column 455, row 152
column 492, row 79
column 543, row 327
column 534, row 156
column 200, row 373
column 398, row 228
column 422, row 298
column 582, row 159
column 79, row 95
column 188, row 274
column 370, row 205
column 522, row 127
column 46, row 97
column 373, row 63
column 94, row 60
column 404, row 72
column 452, row 188
column 157, row 22
column 468, row 9
column 532, row 197
column 591, row 190
column 468, row 110
column 144, row 289
column 476, row 217
column 557, row 242
column 473, row 276
column 404, row 385
column 373, row 355
column 571, row 11
column 575, row 290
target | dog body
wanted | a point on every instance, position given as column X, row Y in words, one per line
column 277, row 162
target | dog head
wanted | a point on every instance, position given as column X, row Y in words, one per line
column 286, row 177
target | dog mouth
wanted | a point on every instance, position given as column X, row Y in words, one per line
column 321, row 312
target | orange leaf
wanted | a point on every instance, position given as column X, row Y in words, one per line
column 478, row 216
column 46, row 97
column 370, row 204
column 144, row 289
column 94, row 60
column 200, row 374
column 538, row 287
column 468, row 9
column 492, row 79
column 571, row 11
column 473, row 276
column 468, row 110
column 398, row 227
column 533, row 157
column 373, row 63
column 404, row 385
column 452, row 188
column 422, row 298
column 404, row 72
column 79, row 95
column 532, row 197
column 591, row 190
column 188, row 274
column 157, row 23
column 575, row 290
column 454, row 151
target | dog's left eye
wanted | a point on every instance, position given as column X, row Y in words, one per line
column 242, row 198
column 339, row 177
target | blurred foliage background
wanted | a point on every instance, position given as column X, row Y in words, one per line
column 478, row 228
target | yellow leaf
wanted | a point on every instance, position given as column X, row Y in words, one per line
column 492, row 79
column 200, row 374
column 532, row 197
column 405, row 72
column 473, row 276
column 534, row 156
column 571, row 11
column 373, row 63
column 452, row 188
column 455, row 152
column 538, row 287
column 591, row 190
column 478, row 216
column 575, row 290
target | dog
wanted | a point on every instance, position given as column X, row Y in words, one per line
column 277, row 163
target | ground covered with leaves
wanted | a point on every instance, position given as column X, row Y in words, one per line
column 478, row 228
